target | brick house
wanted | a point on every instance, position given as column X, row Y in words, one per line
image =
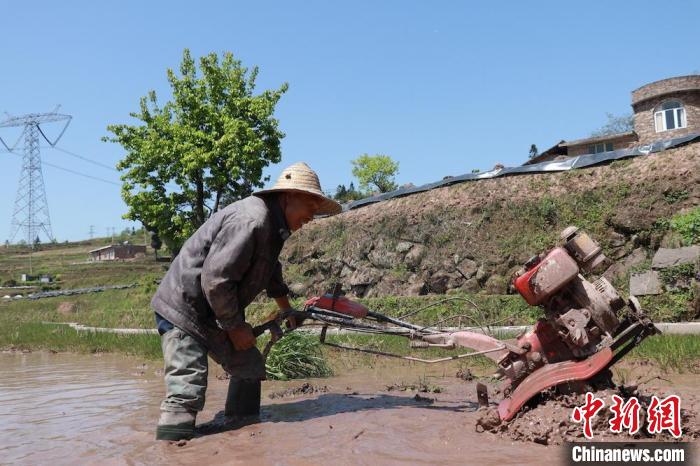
column 117, row 252
column 664, row 109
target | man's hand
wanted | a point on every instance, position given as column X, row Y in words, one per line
column 284, row 305
column 294, row 322
column 242, row 337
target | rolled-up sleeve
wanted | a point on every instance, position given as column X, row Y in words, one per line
column 228, row 260
column 276, row 288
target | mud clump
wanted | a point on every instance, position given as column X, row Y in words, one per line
column 305, row 389
column 550, row 422
column 425, row 399
column 421, row 387
column 488, row 421
column 465, row 374
column 66, row 308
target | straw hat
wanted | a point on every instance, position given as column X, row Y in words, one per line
column 301, row 178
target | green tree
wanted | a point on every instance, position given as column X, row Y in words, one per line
column 207, row 146
column 615, row 125
column 343, row 194
column 375, row 170
column 533, row 151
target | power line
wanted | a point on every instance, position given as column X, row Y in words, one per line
column 94, row 162
column 74, row 172
column 81, row 174
column 73, row 154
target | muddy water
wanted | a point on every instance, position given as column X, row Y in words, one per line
column 56, row 408
column 69, row 409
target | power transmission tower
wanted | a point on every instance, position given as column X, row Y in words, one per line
column 31, row 212
column 92, row 231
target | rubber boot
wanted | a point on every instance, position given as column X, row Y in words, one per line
column 175, row 425
column 243, row 398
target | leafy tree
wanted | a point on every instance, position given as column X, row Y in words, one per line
column 615, row 124
column 207, row 146
column 533, row 151
column 343, row 194
column 340, row 192
column 375, row 170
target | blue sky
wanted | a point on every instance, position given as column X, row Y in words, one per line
column 442, row 87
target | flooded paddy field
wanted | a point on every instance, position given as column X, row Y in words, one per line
column 89, row 409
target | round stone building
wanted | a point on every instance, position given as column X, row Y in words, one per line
column 667, row 109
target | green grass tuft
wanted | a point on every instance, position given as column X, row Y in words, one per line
column 297, row 356
column 672, row 352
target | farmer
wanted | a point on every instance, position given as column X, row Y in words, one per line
column 200, row 304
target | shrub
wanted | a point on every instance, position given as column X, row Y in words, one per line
column 688, row 225
column 672, row 275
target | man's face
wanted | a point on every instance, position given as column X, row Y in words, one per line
column 299, row 209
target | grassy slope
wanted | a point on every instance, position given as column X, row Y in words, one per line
column 500, row 223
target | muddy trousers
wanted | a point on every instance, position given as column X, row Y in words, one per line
column 185, row 373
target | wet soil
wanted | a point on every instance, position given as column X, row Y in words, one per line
column 547, row 420
column 304, row 389
column 68, row 409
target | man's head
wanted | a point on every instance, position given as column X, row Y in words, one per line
column 299, row 208
column 301, row 197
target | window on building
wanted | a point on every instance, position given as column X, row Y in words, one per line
column 671, row 115
column 600, row 147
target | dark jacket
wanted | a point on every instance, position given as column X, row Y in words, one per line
column 220, row 269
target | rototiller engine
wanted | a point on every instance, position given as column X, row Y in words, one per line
column 586, row 327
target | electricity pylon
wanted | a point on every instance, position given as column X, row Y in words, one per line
column 31, row 212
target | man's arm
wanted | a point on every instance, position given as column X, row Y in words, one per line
column 228, row 259
column 283, row 303
column 278, row 290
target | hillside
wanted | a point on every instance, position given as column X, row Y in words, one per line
column 472, row 236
